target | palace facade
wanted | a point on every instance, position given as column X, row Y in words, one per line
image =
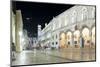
column 74, row 27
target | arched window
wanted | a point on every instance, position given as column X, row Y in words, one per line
column 73, row 17
column 62, row 39
column 59, row 20
column 86, row 37
column 66, row 21
column 53, row 25
column 62, row 21
column 84, row 13
column 93, row 12
column 69, row 38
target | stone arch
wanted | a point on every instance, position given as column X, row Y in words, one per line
column 84, row 26
column 62, row 40
column 76, row 37
column 86, row 36
column 68, row 31
column 69, row 38
column 93, row 25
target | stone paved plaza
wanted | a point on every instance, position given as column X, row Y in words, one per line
column 54, row 56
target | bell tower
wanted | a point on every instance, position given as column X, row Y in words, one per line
column 39, row 31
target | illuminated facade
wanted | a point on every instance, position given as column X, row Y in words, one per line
column 69, row 28
column 13, row 27
column 35, row 42
column 17, row 30
column 25, row 39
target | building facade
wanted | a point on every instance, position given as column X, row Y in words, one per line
column 17, row 30
column 74, row 27
column 25, row 39
column 13, row 28
column 35, row 42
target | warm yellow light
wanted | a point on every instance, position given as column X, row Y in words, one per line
column 93, row 31
column 63, row 40
column 77, row 33
column 86, row 36
column 63, row 35
column 20, row 33
column 93, row 35
column 85, row 32
column 69, row 35
column 22, row 39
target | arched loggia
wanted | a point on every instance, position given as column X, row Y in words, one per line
column 62, row 40
column 77, row 38
column 69, row 38
column 86, row 37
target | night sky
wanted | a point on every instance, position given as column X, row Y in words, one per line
column 34, row 13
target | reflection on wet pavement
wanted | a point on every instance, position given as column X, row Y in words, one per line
column 54, row 56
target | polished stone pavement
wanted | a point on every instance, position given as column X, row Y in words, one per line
column 27, row 57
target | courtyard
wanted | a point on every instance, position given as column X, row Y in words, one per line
column 47, row 56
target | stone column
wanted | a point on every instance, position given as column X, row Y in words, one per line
column 72, row 41
column 90, row 38
column 18, row 28
column 90, row 35
column 81, row 40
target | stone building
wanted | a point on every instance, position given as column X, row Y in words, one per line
column 25, row 39
column 17, row 30
column 74, row 27
column 35, row 42
column 13, row 28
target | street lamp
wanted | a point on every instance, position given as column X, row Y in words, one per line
column 22, row 39
column 20, row 33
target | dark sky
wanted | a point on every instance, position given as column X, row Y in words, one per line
column 34, row 13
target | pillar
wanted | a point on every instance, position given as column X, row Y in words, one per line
column 81, row 40
column 90, row 35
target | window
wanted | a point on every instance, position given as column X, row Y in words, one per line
column 66, row 21
column 56, row 36
column 68, row 43
column 52, row 43
column 88, row 41
column 59, row 23
column 93, row 12
column 53, row 37
column 35, row 41
column 75, row 42
column 73, row 17
column 56, row 43
column 84, row 14
column 68, row 37
column 53, row 25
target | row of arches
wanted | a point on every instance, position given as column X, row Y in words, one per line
column 78, row 38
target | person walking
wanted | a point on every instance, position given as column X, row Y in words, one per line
column 82, row 42
column 13, row 51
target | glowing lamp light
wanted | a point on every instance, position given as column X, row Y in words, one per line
column 20, row 33
column 22, row 39
column 85, row 32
